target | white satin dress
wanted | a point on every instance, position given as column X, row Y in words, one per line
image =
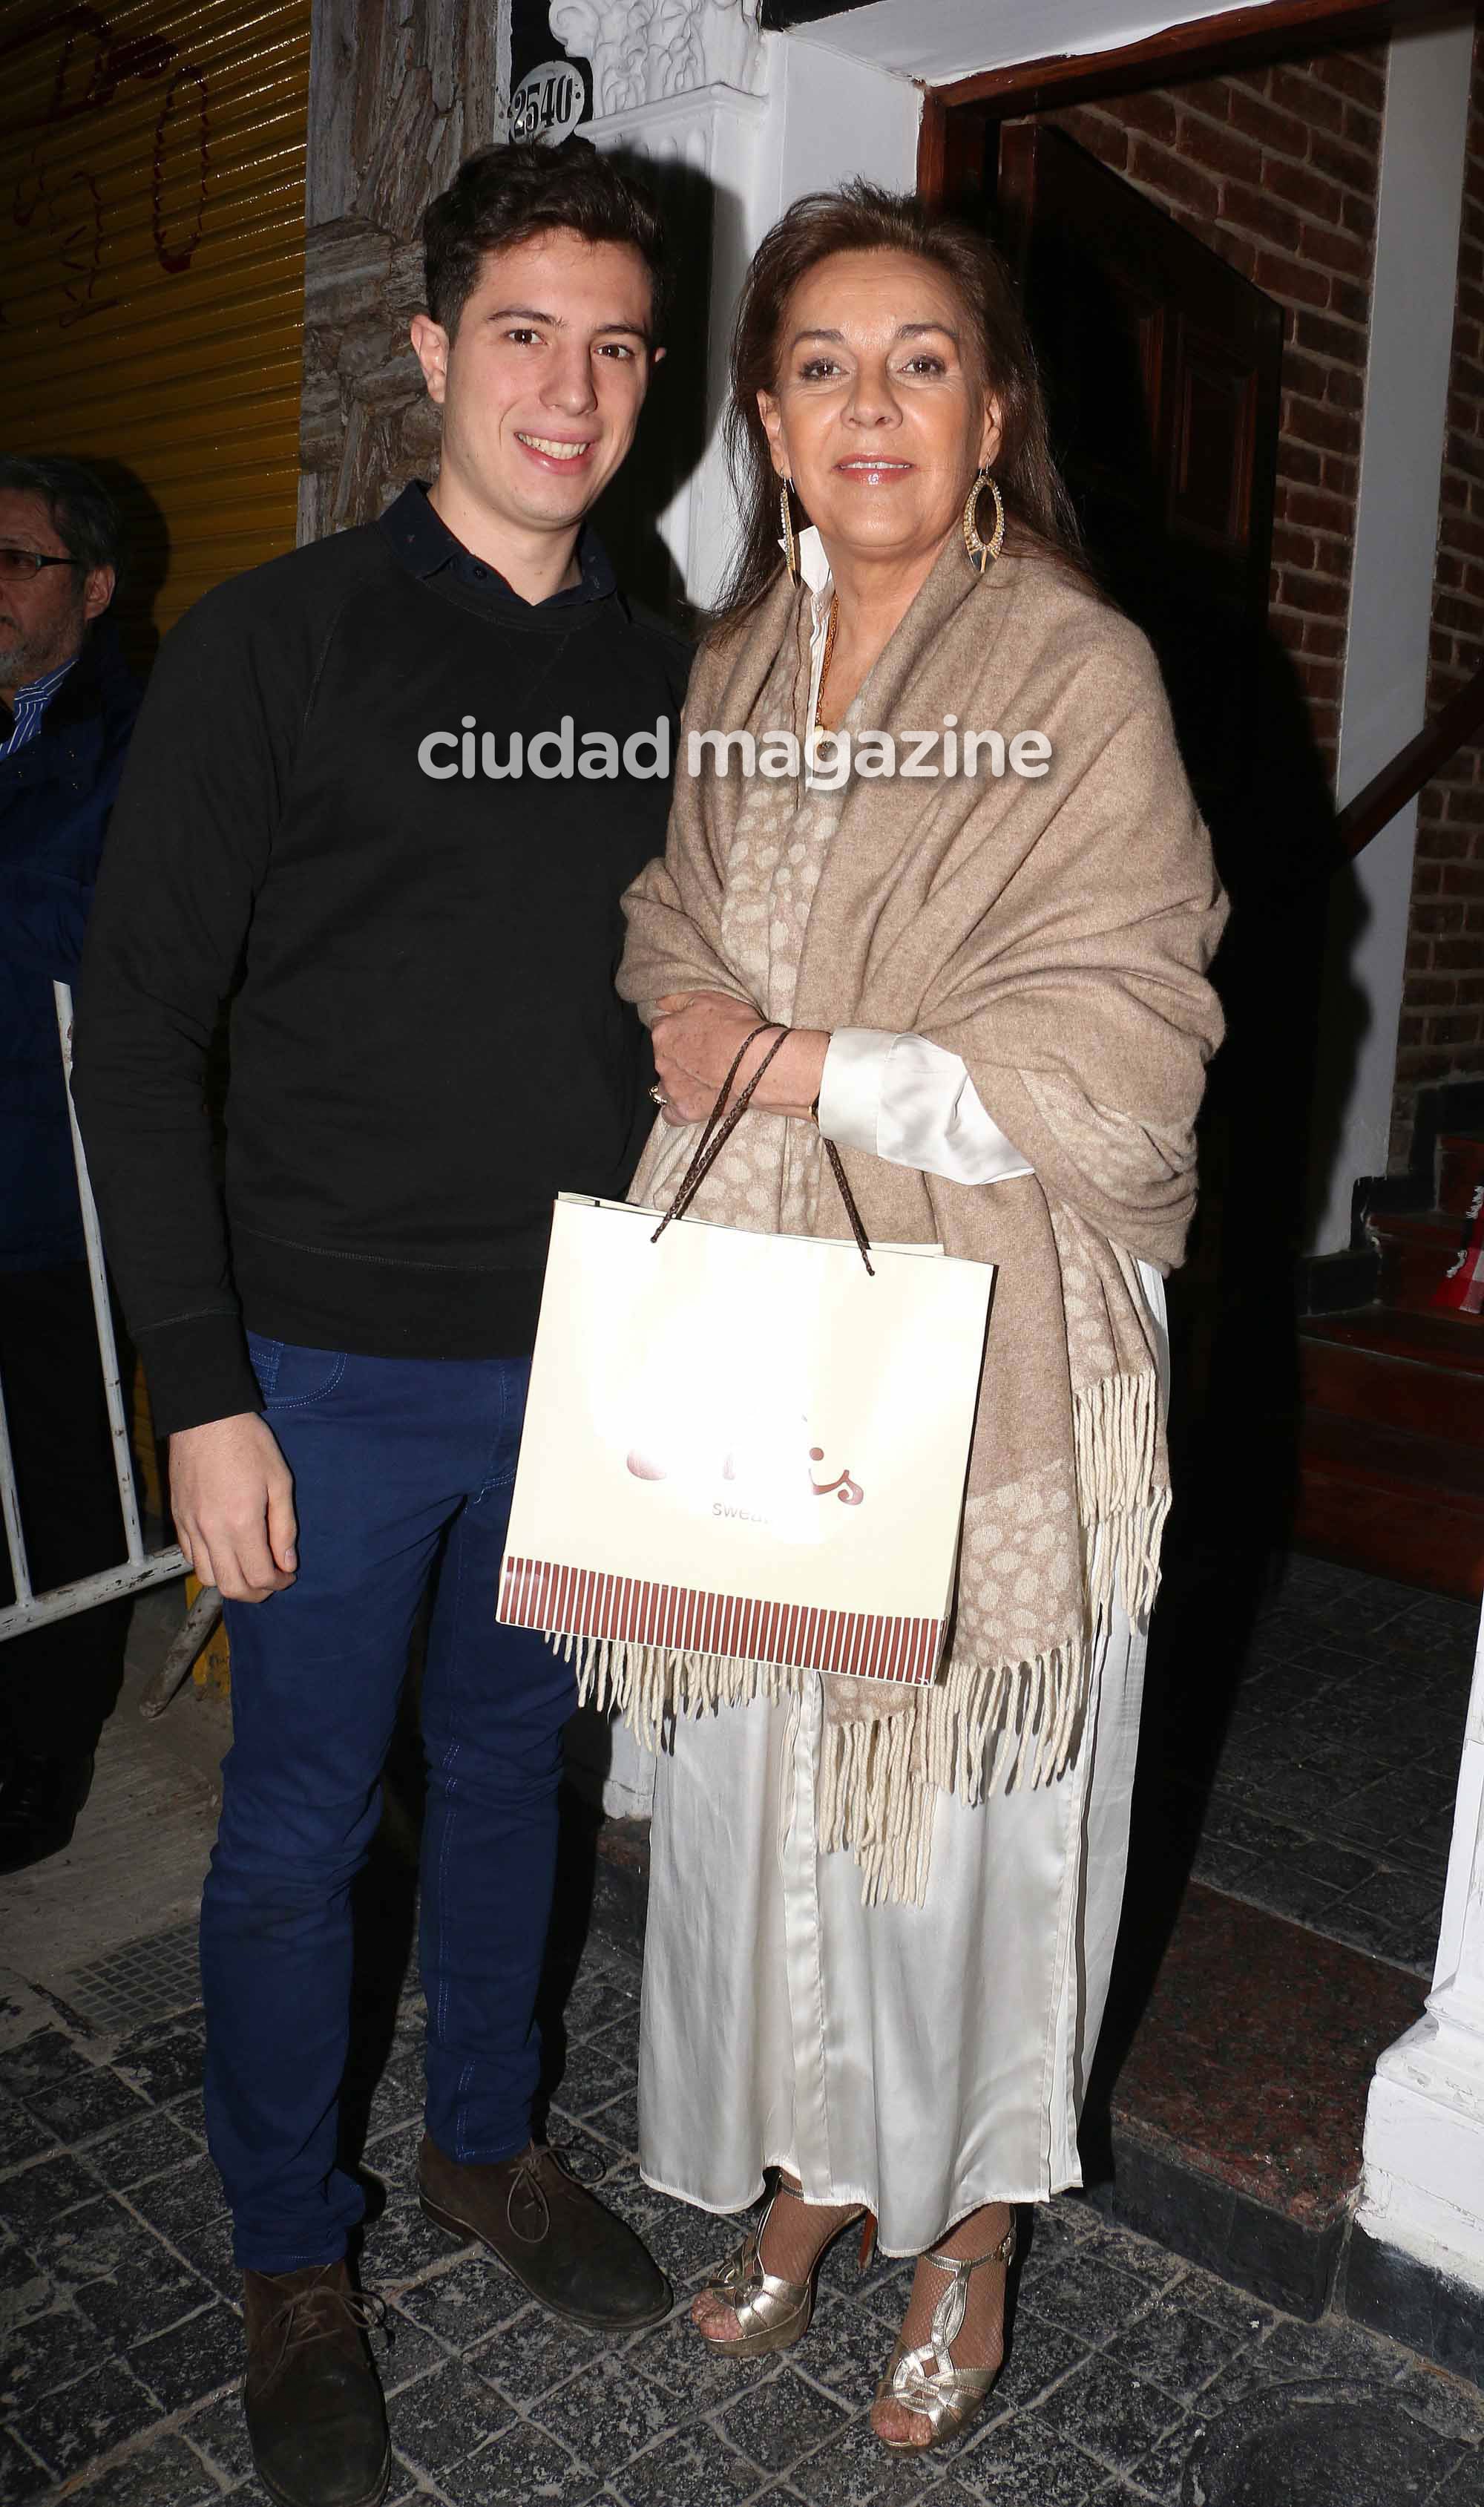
column 919, row 2060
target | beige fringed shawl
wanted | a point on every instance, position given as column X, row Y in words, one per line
column 1054, row 934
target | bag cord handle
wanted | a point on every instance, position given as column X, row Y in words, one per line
column 722, row 1122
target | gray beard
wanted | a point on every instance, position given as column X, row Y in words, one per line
column 24, row 659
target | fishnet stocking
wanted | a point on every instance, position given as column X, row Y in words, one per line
column 980, row 2341
column 794, row 2235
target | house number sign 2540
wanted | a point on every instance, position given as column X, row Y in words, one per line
column 549, row 102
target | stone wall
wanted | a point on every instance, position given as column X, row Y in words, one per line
column 399, row 92
column 1442, row 1008
column 1276, row 170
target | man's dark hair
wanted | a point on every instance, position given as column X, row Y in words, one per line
column 84, row 515
column 505, row 196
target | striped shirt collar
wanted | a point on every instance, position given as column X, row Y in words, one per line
column 31, row 703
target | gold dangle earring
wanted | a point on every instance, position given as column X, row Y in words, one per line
column 982, row 553
column 789, row 535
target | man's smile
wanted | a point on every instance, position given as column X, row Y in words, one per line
column 567, row 449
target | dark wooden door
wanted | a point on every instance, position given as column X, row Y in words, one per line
column 1162, row 366
column 1163, row 374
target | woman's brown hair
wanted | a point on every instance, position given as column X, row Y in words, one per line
column 862, row 218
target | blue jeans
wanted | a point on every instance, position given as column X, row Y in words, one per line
column 401, row 1467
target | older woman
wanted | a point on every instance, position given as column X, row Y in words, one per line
column 991, row 988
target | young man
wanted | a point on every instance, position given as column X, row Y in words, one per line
column 425, row 1047
column 67, row 706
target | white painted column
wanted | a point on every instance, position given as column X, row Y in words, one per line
column 1418, row 212
column 814, row 120
column 832, row 116
column 678, row 89
column 720, row 133
column 1423, row 2188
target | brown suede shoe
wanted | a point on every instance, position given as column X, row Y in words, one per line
column 312, row 2397
column 560, row 2241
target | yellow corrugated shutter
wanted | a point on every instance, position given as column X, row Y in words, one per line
column 151, row 173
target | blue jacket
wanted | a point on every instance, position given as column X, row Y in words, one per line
column 55, row 794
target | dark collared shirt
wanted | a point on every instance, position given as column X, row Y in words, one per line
column 428, row 547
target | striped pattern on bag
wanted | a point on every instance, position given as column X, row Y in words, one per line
column 577, row 1601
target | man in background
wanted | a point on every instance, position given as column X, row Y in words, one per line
column 67, row 706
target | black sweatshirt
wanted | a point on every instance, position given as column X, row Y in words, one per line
column 425, row 1043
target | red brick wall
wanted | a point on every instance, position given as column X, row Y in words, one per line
column 1277, row 170
column 1442, row 1011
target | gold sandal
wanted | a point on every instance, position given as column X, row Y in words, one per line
column 925, row 2381
column 773, row 2313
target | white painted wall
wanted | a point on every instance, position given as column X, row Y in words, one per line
column 1419, row 208
column 835, row 117
column 826, row 118
column 818, row 119
column 937, row 40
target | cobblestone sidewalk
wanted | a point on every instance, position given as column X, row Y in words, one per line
column 119, row 2338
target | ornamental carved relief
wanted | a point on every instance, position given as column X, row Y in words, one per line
column 399, row 93
column 644, row 51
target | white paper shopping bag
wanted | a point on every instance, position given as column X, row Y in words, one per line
column 745, row 1445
